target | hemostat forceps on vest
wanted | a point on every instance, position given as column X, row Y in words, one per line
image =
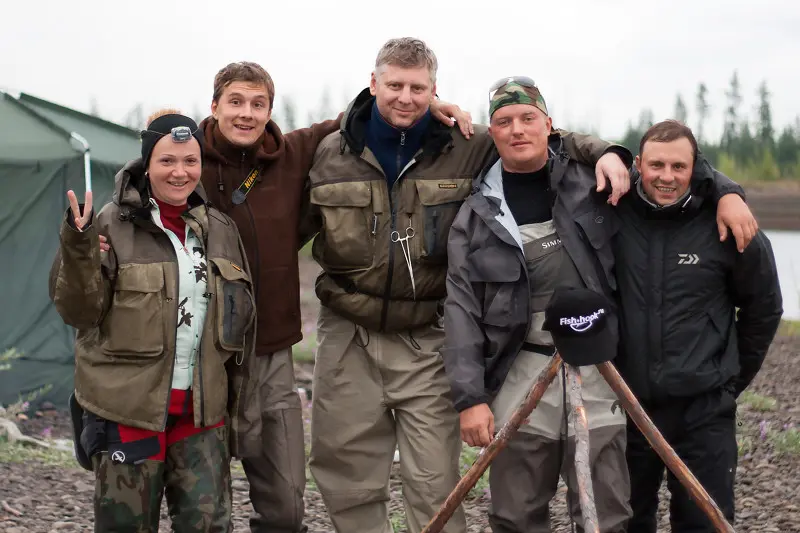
column 406, row 253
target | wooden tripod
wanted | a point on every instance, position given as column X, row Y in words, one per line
column 635, row 412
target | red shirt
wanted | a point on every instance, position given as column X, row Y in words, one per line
column 171, row 218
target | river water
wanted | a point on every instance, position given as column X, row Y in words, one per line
column 786, row 246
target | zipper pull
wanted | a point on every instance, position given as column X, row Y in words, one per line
column 374, row 224
column 402, row 138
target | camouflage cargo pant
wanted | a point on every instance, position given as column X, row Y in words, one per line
column 195, row 477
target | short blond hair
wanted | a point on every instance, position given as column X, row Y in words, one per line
column 407, row 52
column 161, row 112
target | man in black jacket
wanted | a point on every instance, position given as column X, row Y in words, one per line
column 685, row 351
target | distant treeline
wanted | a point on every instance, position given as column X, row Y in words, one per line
column 748, row 150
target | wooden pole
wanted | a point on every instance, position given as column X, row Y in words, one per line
column 663, row 449
column 490, row 452
column 583, row 468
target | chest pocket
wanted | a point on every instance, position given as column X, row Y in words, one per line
column 347, row 242
column 598, row 227
column 500, row 275
column 439, row 201
column 234, row 306
column 134, row 326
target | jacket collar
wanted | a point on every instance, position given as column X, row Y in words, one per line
column 353, row 128
column 270, row 145
column 379, row 129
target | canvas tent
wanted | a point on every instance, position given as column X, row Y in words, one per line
column 38, row 164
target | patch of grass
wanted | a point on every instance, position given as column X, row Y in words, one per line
column 468, row 456
column 310, row 483
column 21, row 453
column 744, row 444
column 790, row 328
column 758, row 402
column 305, row 251
column 786, row 441
column 305, row 350
column 398, row 520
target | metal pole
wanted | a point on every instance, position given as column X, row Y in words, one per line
column 87, row 163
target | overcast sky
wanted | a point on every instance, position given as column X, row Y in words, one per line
column 598, row 63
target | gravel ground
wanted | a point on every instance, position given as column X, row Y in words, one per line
column 46, row 491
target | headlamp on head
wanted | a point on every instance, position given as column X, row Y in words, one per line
column 181, row 134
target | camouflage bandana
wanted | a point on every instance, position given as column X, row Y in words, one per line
column 514, row 93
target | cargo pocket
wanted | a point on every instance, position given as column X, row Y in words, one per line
column 440, row 200
column 234, row 305
column 347, row 242
column 134, row 326
column 598, row 227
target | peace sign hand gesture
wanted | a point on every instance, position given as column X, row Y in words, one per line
column 81, row 219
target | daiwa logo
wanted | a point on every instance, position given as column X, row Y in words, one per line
column 582, row 323
column 688, row 259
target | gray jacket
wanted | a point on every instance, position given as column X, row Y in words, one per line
column 487, row 309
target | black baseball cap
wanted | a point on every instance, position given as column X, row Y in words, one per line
column 578, row 321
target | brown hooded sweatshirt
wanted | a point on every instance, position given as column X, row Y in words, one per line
column 268, row 219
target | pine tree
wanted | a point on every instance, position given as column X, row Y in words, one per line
column 765, row 131
column 681, row 113
column 703, row 109
column 730, row 128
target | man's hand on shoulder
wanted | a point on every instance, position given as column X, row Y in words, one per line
column 448, row 114
column 477, row 425
column 733, row 213
column 611, row 170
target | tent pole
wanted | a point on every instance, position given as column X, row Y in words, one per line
column 87, row 167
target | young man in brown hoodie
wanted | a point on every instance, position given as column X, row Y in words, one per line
column 242, row 142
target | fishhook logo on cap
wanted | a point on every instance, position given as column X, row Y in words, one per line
column 582, row 323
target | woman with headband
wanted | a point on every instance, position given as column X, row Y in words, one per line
column 164, row 323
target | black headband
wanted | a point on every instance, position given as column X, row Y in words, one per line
column 180, row 127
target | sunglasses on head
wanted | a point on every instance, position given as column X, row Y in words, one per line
column 525, row 81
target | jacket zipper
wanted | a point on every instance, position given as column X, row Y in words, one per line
column 199, row 361
column 174, row 330
column 200, row 349
column 387, row 292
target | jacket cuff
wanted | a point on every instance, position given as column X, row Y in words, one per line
column 75, row 239
column 471, row 401
column 622, row 152
column 730, row 188
column 71, row 220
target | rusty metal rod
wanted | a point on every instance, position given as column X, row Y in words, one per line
column 499, row 442
column 583, row 468
column 663, row 449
